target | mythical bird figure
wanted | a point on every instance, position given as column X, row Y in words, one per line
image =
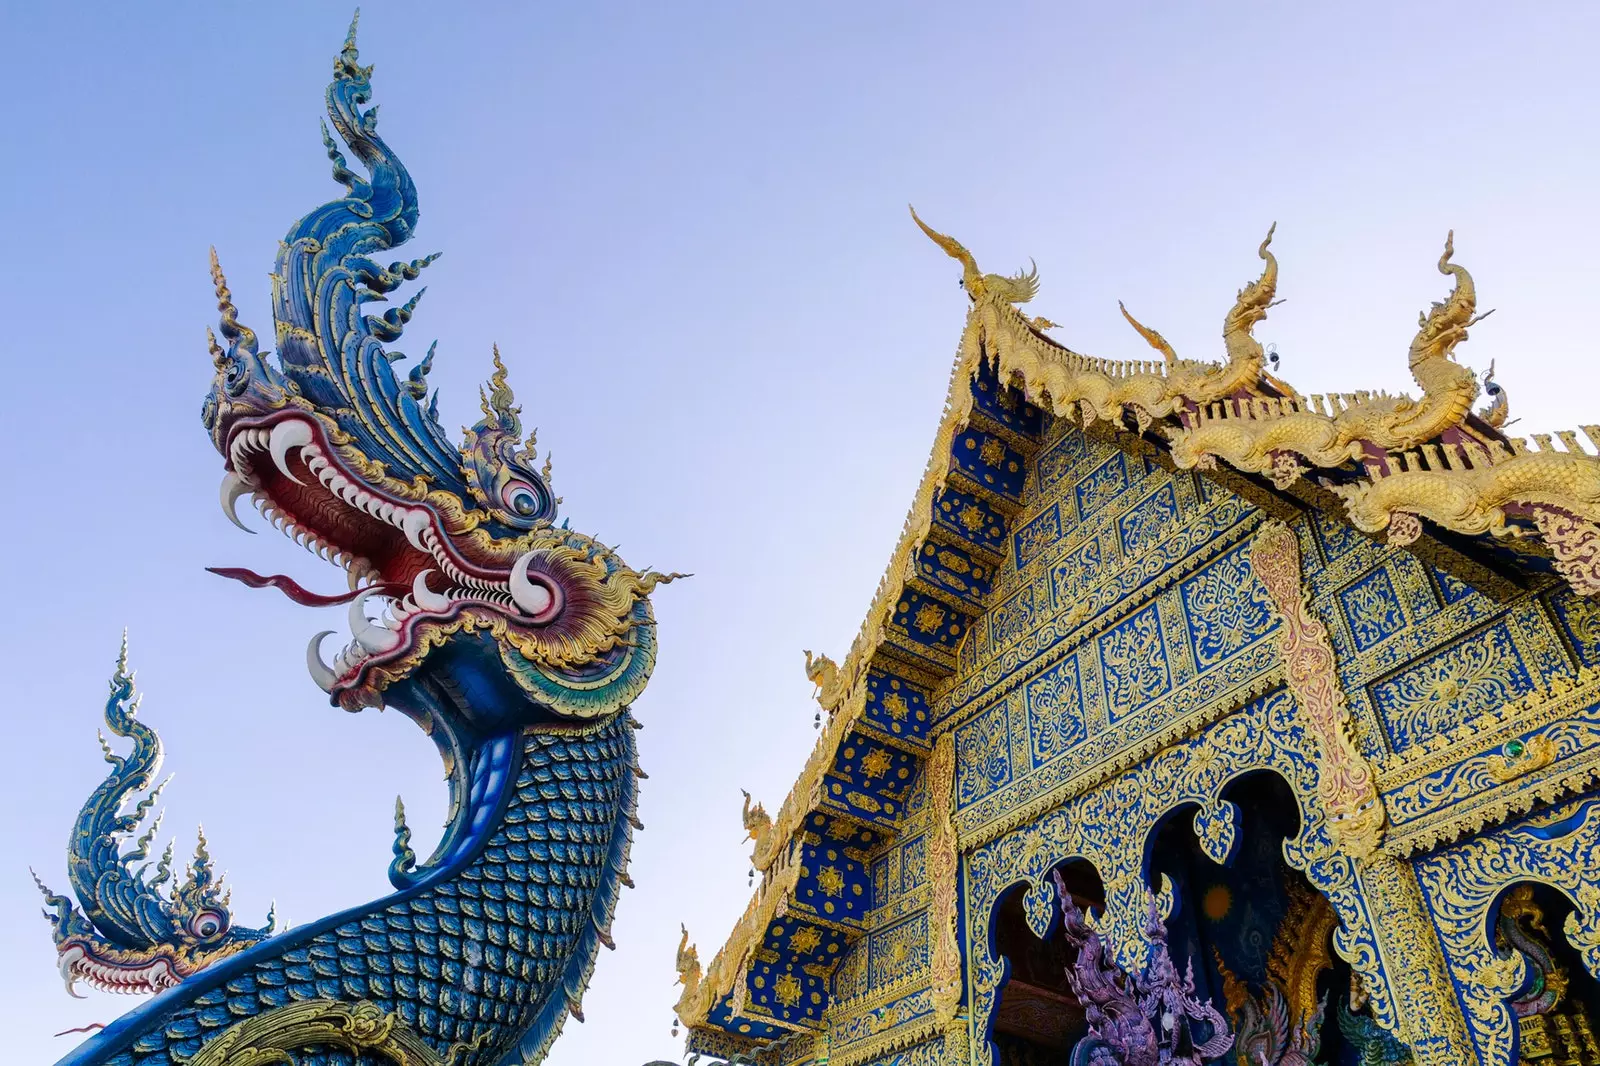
column 517, row 645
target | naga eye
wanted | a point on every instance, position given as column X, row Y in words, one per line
column 520, row 498
column 208, row 924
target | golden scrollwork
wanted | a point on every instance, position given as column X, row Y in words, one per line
column 945, row 953
column 363, row 1029
column 1347, row 785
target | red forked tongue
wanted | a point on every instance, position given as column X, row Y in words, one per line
column 293, row 589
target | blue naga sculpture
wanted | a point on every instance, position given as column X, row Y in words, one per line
column 516, row 644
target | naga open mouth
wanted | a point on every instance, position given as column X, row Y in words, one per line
column 391, row 547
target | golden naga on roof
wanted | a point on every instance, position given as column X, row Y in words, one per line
column 1197, row 720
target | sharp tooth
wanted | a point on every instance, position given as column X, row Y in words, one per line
column 233, row 487
column 426, row 598
column 372, row 638
column 386, row 510
column 294, row 433
column 320, row 672
column 414, row 524
column 320, row 466
column 536, row 598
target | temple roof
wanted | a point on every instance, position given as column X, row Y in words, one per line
column 1427, row 473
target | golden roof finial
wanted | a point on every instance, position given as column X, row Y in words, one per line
column 1017, row 289
column 1444, row 325
column 688, row 963
column 1154, row 339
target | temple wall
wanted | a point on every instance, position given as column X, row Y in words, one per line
column 1130, row 664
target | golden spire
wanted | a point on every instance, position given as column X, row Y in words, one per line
column 1019, row 288
column 1155, row 340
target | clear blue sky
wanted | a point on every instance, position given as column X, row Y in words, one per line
column 685, row 225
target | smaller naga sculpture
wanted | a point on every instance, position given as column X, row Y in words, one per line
column 758, row 828
column 139, row 931
column 832, row 685
column 1149, row 1019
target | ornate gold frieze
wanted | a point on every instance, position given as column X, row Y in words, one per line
column 945, row 949
column 362, row 1029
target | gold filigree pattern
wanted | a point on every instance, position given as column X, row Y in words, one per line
column 361, row 1029
column 1347, row 784
column 945, row 951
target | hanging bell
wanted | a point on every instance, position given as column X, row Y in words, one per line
column 750, row 880
column 816, row 723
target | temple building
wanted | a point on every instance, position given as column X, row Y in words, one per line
column 1196, row 720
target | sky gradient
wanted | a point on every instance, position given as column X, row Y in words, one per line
column 685, row 225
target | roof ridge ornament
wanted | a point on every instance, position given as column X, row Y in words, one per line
column 1018, row 288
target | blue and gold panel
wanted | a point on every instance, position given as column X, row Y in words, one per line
column 1036, row 536
column 988, row 463
column 1226, row 608
column 789, row 974
column 1452, row 589
column 1003, row 405
column 1454, row 685
column 850, row 976
column 1058, row 461
column 896, row 707
column 897, row 951
column 954, row 571
column 1055, row 711
column 722, row 1017
column 871, row 766
column 913, row 864
column 1372, row 608
column 1148, row 521
column 1133, row 663
column 1074, row 572
column 833, row 883
column 1579, row 618
column 1013, row 619
column 983, row 755
column 972, row 520
column 844, row 798
column 926, row 621
column 1101, row 485
column 1337, row 538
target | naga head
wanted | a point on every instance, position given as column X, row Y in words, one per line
column 1253, row 301
column 1444, row 325
column 139, row 930
column 497, row 618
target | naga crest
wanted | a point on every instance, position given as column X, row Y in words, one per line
column 351, row 461
column 139, row 930
column 1444, row 325
column 1019, row 288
